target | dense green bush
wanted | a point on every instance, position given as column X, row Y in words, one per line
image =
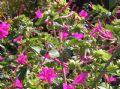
column 47, row 45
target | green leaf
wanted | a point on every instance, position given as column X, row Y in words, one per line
column 112, row 68
column 41, row 20
column 104, row 86
column 37, row 49
column 22, row 73
column 99, row 8
column 102, row 54
column 115, row 29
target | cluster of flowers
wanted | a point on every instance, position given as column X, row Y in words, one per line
column 48, row 74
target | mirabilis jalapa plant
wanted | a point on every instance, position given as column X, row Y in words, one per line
column 57, row 49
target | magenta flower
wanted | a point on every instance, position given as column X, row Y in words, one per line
column 47, row 74
column 4, row 27
column 46, row 55
column 109, row 35
column 18, row 39
column 102, row 33
column 85, row 59
column 18, row 84
column 105, row 35
column 99, row 25
column 65, row 27
column 81, row 78
column 78, row 36
column 83, row 13
column 112, row 49
column 1, row 58
column 63, row 35
column 38, row 14
column 65, row 86
column 118, row 11
column 109, row 79
column 97, row 29
column 21, row 59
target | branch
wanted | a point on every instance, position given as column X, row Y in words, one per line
column 116, row 53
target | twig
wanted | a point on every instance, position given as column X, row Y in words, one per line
column 70, row 2
column 62, row 61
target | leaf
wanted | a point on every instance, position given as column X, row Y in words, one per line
column 112, row 68
column 22, row 73
column 54, row 53
column 41, row 20
column 72, row 42
column 99, row 8
column 37, row 49
column 115, row 29
column 102, row 54
column 104, row 86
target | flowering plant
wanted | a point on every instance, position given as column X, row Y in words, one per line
column 54, row 47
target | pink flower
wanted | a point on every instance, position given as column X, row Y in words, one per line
column 102, row 33
column 118, row 11
column 4, row 27
column 21, row 59
column 78, row 36
column 18, row 84
column 81, row 78
column 97, row 29
column 18, row 39
column 99, row 25
column 1, row 58
column 38, row 14
column 85, row 59
column 63, row 35
column 65, row 86
column 47, row 74
column 109, row 79
column 105, row 35
column 112, row 49
column 46, row 55
column 83, row 13
column 65, row 27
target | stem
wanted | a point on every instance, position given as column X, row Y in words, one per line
column 62, row 61
column 49, row 86
column 106, row 65
column 62, row 9
column 16, row 68
column 29, row 65
column 109, row 85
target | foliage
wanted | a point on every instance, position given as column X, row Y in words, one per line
column 61, row 47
